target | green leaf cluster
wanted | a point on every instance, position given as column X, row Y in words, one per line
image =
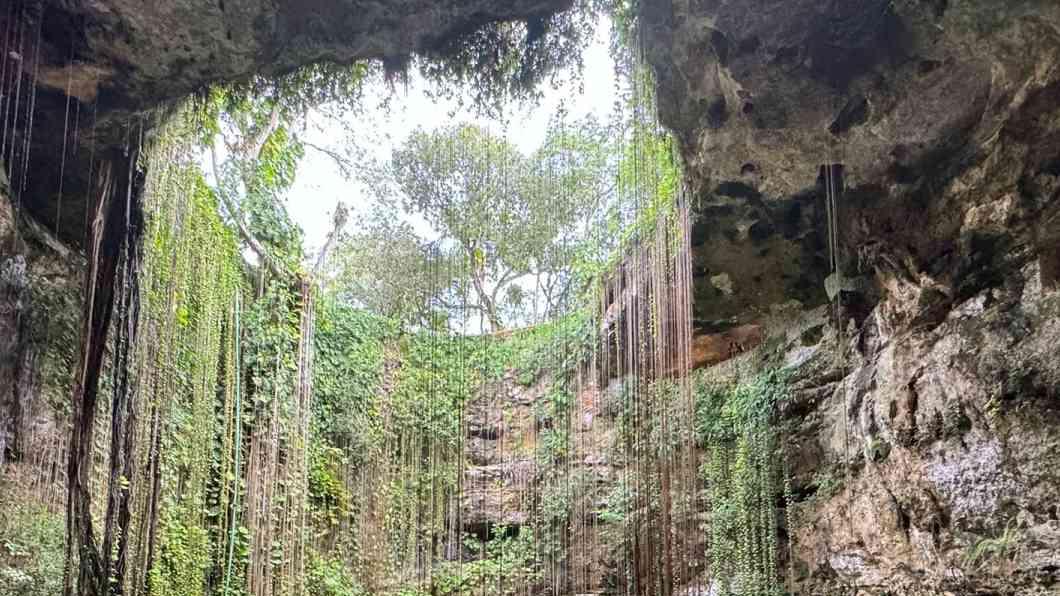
column 31, row 547
column 744, row 479
column 504, row 565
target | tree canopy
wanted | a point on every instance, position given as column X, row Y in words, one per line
column 506, row 226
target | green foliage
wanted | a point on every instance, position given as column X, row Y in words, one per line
column 998, row 549
column 257, row 167
column 385, row 267
column 459, row 180
column 616, row 505
column 649, row 171
column 734, row 423
column 330, row 577
column 190, row 276
column 348, row 371
column 31, row 548
column 55, row 324
column 271, row 324
column 647, row 188
column 553, row 445
column 555, row 348
column 328, row 497
column 504, row 565
column 725, row 412
column 826, row 483
column 624, row 19
column 877, row 449
column 500, row 62
column 315, row 86
column 506, row 222
column 183, row 558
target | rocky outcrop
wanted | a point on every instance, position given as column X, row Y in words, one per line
column 942, row 115
column 39, row 301
column 98, row 67
column 927, row 459
column 515, row 482
column 15, row 356
column 926, row 454
column 135, row 56
column 501, row 467
column 709, row 349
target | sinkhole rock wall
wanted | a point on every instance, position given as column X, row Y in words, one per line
column 925, row 459
column 40, row 300
column 107, row 63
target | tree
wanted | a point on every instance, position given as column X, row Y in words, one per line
column 388, row 269
column 261, row 157
column 512, row 221
column 573, row 179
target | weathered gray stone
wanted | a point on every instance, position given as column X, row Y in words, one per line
column 942, row 428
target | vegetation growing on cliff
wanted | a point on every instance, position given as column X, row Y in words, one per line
column 745, row 477
column 280, row 426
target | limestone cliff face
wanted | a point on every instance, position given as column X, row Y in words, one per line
column 40, row 297
column 924, row 424
column 927, row 461
column 511, row 482
column 926, row 454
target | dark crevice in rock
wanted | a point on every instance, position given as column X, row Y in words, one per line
column 720, row 44
column 737, row 189
column 717, row 112
column 854, row 112
column 908, row 432
column 786, row 56
column 837, row 171
column 484, row 531
column 938, row 7
column 749, row 45
column 488, row 433
column 812, row 336
column 984, row 266
column 1049, row 264
column 927, row 66
column 761, row 230
column 853, row 39
column 769, row 112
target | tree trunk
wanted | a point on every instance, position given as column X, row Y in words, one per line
column 488, row 306
column 123, row 405
column 115, row 225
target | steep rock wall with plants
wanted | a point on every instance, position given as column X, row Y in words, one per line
column 924, row 419
column 39, row 299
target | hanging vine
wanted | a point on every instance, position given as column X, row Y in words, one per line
column 745, row 476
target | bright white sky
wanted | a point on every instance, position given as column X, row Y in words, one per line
column 319, row 185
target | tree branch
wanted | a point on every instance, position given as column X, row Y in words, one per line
column 264, row 134
column 338, row 222
column 241, row 226
column 345, row 165
column 507, row 276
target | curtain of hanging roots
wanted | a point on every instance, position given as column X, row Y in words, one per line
column 645, row 314
column 213, row 441
column 185, row 360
